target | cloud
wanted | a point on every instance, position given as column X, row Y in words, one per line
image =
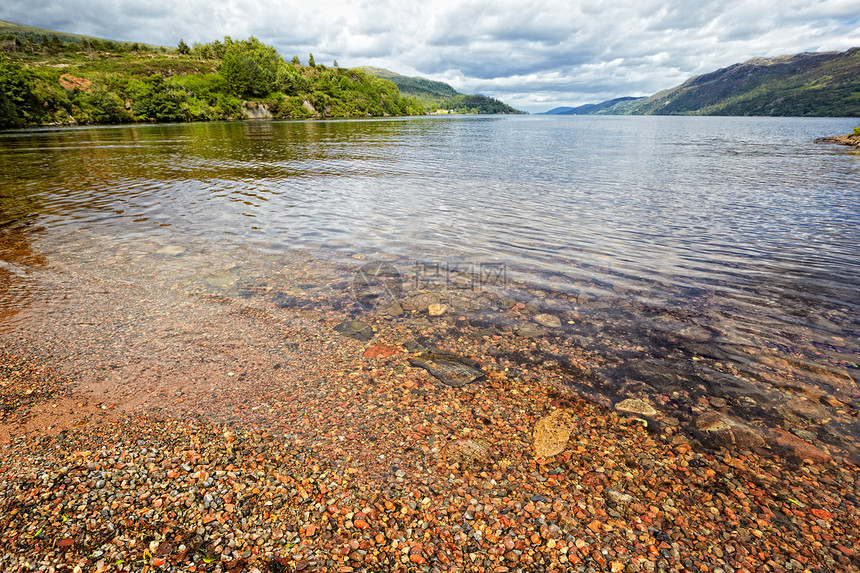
column 534, row 55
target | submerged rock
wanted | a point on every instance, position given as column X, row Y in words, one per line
column 618, row 497
column 531, row 331
column 466, row 451
column 721, row 430
column 380, row 351
column 452, row 371
column 172, row 250
column 797, row 446
column 636, row 406
column 355, row 329
column 436, row 309
column 225, row 279
column 393, row 309
column 422, row 302
column 548, row 320
column 552, row 432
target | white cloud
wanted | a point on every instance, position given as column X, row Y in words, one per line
column 533, row 55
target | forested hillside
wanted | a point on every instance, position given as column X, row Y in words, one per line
column 46, row 80
column 435, row 95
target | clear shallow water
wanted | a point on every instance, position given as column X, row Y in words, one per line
column 699, row 257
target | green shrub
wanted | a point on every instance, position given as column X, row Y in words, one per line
column 18, row 102
column 250, row 67
column 155, row 100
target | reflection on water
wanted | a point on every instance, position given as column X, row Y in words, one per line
column 18, row 263
column 694, row 257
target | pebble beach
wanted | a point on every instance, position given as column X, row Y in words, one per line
column 360, row 450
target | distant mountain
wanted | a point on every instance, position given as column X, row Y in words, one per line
column 439, row 95
column 823, row 84
column 590, row 108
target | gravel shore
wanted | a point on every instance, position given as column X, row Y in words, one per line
column 222, row 425
column 389, row 470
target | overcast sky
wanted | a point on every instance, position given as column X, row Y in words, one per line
column 533, row 55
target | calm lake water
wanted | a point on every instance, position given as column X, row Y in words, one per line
column 701, row 259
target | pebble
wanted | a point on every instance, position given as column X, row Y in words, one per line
column 437, row 309
column 548, row 320
column 172, row 250
column 636, row 406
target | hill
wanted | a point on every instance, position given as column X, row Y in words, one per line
column 29, row 37
column 823, row 84
column 46, row 81
column 590, row 108
column 435, row 95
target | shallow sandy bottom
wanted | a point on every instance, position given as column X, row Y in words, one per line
column 212, row 419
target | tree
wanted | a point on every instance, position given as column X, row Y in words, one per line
column 183, row 48
column 311, row 62
column 18, row 102
column 154, row 99
column 54, row 45
column 296, row 61
column 250, row 67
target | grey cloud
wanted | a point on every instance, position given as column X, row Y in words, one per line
column 535, row 54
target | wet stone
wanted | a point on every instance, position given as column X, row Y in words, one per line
column 552, row 433
column 285, row 300
column 531, row 331
column 394, row 309
column 548, row 320
column 466, row 451
column 804, row 434
column 779, row 438
column 451, row 371
column 223, row 279
column 355, row 329
column 808, row 409
column 171, row 250
column 637, row 407
column 422, row 302
column 723, row 430
column 436, row 309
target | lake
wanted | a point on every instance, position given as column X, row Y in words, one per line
column 697, row 262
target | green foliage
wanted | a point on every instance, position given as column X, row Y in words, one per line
column 156, row 99
column 183, row 48
column 250, row 67
column 18, row 102
column 99, row 105
column 857, row 130
column 118, row 83
column 311, row 63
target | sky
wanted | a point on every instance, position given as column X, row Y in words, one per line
column 533, row 55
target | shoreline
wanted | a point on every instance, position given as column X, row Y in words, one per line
column 383, row 468
column 849, row 140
